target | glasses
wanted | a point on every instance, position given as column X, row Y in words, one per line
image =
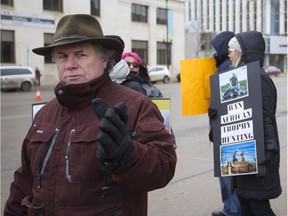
column 230, row 50
column 135, row 65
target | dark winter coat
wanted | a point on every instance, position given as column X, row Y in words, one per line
column 223, row 63
column 133, row 81
column 60, row 174
column 267, row 186
column 220, row 44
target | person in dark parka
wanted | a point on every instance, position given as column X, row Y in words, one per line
column 230, row 200
column 255, row 191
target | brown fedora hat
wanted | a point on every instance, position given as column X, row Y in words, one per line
column 79, row 28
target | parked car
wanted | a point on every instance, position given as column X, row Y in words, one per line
column 272, row 70
column 17, row 77
column 159, row 73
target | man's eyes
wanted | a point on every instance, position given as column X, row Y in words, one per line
column 62, row 56
column 79, row 55
column 65, row 56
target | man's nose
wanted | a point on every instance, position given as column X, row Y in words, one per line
column 71, row 61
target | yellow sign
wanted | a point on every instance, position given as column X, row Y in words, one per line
column 195, row 84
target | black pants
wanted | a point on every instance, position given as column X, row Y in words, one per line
column 251, row 207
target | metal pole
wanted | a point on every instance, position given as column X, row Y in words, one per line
column 27, row 57
column 167, row 42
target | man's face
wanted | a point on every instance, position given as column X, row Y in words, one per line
column 79, row 63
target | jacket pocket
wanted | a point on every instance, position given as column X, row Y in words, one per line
column 33, row 209
column 81, row 162
column 42, row 139
column 151, row 130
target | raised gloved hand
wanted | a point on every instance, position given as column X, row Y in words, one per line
column 212, row 113
column 116, row 141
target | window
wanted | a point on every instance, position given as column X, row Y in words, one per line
column 206, row 41
column 161, row 16
column 163, row 53
column 14, row 71
column 54, row 5
column 275, row 17
column 7, row 2
column 285, row 17
column 48, row 39
column 95, row 7
column 141, row 48
column 7, row 47
column 139, row 13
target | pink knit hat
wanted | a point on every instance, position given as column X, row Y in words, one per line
column 133, row 55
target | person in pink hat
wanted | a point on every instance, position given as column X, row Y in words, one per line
column 139, row 71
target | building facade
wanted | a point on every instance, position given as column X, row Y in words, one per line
column 206, row 18
column 152, row 28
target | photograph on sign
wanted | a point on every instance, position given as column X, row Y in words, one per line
column 164, row 106
column 233, row 84
column 238, row 158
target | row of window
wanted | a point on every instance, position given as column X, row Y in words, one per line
column 139, row 13
column 53, row 5
column 256, row 10
column 140, row 47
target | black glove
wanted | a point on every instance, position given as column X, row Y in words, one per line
column 212, row 113
column 116, row 141
column 268, row 155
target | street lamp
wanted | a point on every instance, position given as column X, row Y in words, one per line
column 167, row 42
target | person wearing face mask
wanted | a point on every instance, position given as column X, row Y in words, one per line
column 255, row 191
column 120, row 69
column 230, row 200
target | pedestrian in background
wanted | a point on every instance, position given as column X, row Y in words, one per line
column 37, row 75
column 120, row 69
column 255, row 191
column 230, row 200
column 97, row 148
column 139, row 69
column 151, row 90
column 133, row 80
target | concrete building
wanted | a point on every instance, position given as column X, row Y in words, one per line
column 206, row 18
column 26, row 24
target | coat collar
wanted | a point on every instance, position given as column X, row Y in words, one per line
column 77, row 96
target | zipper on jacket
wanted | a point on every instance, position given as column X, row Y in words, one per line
column 45, row 156
column 67, row 158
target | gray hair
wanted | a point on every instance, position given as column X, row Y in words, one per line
column 106, row 54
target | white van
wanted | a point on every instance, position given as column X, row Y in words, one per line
column 17, row 77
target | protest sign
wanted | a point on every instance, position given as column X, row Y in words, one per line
column 195, row 84
column 238, row 128
column 164, row 106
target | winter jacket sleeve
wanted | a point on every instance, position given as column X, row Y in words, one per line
column 20, row 188
column 153, row 160
column 269, row 102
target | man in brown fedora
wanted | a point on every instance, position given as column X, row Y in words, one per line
column 98, row 147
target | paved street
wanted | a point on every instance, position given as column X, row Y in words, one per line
column 194, row 191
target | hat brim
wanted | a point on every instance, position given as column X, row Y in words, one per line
column 109, row 43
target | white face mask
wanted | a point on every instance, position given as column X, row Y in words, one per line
column 120, row 71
